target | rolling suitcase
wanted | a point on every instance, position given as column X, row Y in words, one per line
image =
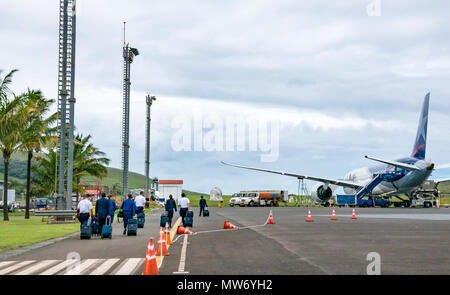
column 107, row 229
column 189, row 219
column 205, row 212
column 141, row 219
column 96, row 229
column 86, row 231
column 132, row 227
column 164, row 219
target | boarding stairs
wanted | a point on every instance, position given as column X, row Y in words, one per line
column 384, row 176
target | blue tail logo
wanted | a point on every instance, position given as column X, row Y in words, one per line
column 421, row 137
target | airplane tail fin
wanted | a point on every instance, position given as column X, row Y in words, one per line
column 421, row 137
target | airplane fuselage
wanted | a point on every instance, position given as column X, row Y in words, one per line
column 408, row 181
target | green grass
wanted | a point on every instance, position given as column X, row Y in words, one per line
column 19, row 232
column 17, row 213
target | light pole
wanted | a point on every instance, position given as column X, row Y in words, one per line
column 149, row 100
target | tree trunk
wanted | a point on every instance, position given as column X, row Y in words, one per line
column 5, row 191
column 27, row 202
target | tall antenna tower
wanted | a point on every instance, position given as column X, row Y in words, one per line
column 128, row 56
column 302, row 191
column 65, row 84
column 149, row 101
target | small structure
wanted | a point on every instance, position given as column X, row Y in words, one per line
column 170, row 187
column 11, row 193
column 216, row 194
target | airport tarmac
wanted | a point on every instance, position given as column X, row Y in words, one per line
column 293, row 246
column 409, row 241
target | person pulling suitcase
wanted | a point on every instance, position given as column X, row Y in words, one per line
column 202, row 204
column 129, row 210
column 183, row 202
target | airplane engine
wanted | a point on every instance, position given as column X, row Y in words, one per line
column 322, row 193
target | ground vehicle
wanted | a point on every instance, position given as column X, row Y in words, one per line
column 42, row 203
column 235, row 199
column 368, row 202
column 343, row 200
column 263, row 198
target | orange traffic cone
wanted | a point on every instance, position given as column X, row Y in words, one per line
column 182, row 230
column 353, row 214
column 333, row 215
column 228, row 225
column 271, row 218
column 309, row 219
column 162, row 246
column 168, row 237
column 150, row 267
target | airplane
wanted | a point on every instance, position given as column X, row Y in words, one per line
column 390, row 178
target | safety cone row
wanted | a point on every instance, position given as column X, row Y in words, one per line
column 353, row 214
column 271, row 221
column 150, row 267
column 309, row 218
column 181, row 230
column 228, row 225
column 333, row 215
column 168, row 237
column 162, row 245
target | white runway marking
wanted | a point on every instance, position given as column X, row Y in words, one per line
column 83, row 266
column 57, row 268
column 15, row 267
column 86, row 267
column 5, row 263
column 105, row 266
column 396, row 216
column 130, row 266
column 37, row 267
column 183, row 257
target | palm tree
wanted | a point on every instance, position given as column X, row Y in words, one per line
column 12, row 119
column 87, row 161
column 37, row 132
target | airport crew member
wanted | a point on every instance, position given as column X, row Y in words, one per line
column 184, row 207
column 202, row 205
column 129, row 210
column 102, row 209
column 140, row 203
column 85, row 207
column 112, row 208
column 170, row 206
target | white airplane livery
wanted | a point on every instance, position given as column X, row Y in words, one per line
column 401, row 176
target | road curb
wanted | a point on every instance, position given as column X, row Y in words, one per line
column 24, row 249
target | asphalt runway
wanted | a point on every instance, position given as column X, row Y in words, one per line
column 409, row 241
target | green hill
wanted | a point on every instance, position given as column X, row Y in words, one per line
column 135, row 180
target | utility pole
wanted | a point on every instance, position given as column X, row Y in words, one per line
column 128, row 55
column 65, row 73
column 149, row 100
column 71, row 112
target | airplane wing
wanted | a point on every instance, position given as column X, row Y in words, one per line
column 325, row 180
column 441, row 180
column 395, row 163
column 442, row 166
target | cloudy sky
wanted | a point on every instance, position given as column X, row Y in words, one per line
column 341, row 83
